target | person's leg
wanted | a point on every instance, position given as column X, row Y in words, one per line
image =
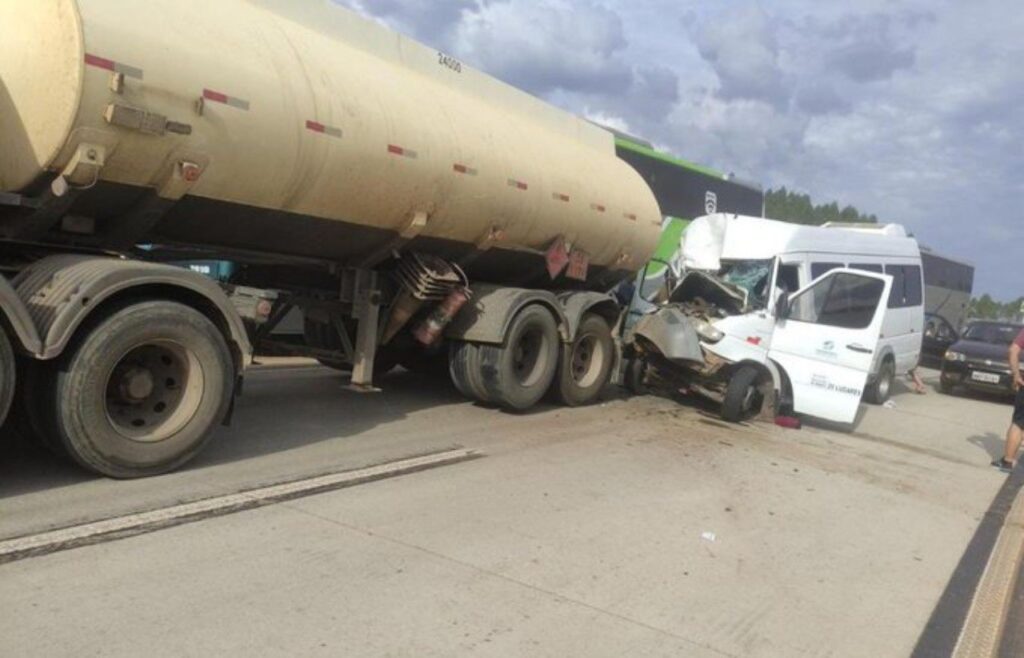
column 919, row 386
column 1015, row 434
column 1013, row 440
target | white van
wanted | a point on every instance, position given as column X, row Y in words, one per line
column 748, row 282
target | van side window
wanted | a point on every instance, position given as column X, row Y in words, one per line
column 844, row 300
column 906, row 286
column 867, row 267
column 820, row 269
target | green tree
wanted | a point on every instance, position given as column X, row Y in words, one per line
column 788, row 206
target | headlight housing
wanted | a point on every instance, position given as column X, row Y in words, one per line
column 708, row 331
column 955, row 356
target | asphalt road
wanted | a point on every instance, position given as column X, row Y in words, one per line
column 638, row 527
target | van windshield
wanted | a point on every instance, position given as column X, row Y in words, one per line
column 753, row 276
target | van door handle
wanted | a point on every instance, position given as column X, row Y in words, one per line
column 855, row 347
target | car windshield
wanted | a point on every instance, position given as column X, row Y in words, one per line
column 994, row 334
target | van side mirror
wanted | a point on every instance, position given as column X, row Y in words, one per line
column 782, row 307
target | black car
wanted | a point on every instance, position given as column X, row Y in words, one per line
column 980, row 359
column 939, row 336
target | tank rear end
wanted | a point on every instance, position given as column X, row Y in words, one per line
column 41, row 69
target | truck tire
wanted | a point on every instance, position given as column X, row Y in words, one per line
column 143, row 391
column 742, row 400
column 34, row 406
column 879, row 391
column 8, row 376
column 517, row 374
column 464, row 366
column 585, row 365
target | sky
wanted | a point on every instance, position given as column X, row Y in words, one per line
column 912, row 110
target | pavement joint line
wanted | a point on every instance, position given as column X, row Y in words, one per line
column 509, row 579
column 943, row 633
column 132, row 525
column 986, row 621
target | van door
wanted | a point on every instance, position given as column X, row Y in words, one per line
column 826, row 340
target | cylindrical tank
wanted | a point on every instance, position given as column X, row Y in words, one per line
column 316, row 132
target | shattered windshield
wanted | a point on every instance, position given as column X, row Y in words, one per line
column 753, row 276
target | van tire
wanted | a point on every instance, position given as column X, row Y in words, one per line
column 879, row 391
column 517, row 374
column 585, row 365
column 742, row 400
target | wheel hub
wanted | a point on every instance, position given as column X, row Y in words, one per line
column 154, row 391
column 136, row 385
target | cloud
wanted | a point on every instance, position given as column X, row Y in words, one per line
column 431, row 20
column 867, row 48
column 547, row 45
column 742, row 48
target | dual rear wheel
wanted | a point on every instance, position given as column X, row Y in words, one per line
column 139, row 394
column 533, row 361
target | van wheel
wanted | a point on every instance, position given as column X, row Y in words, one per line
column 743, row 399
column 585, row 366
column 143, row 392
column 879, row 391
column 517, row 374
column 7, row 376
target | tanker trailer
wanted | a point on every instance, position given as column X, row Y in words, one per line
column 408, row 205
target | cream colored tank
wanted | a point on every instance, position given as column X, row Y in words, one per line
column 301, row 109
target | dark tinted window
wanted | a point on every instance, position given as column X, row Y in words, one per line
column 913, row 294
column 992, row 333
column 906, row 286
column 867, row 267
column 788, row 278
column 819, row 269
column 843, row 300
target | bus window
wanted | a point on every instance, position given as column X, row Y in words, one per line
column 867, row 267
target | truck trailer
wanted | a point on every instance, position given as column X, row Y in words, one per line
column 407, row 205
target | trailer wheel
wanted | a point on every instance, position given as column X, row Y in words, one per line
column 516, row 375
column 464, row 366
column 143, row 391
column 34, row 406
column 586, row 364
column 8, row 376
column 878, row 391
column 742, row 400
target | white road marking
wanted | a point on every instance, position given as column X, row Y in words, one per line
column 135, row 524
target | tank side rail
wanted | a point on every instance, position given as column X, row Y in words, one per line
column 61, row 292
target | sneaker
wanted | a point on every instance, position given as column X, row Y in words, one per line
column 1003, row 465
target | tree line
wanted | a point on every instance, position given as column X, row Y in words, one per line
column 789, row 206
column 986, row 308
